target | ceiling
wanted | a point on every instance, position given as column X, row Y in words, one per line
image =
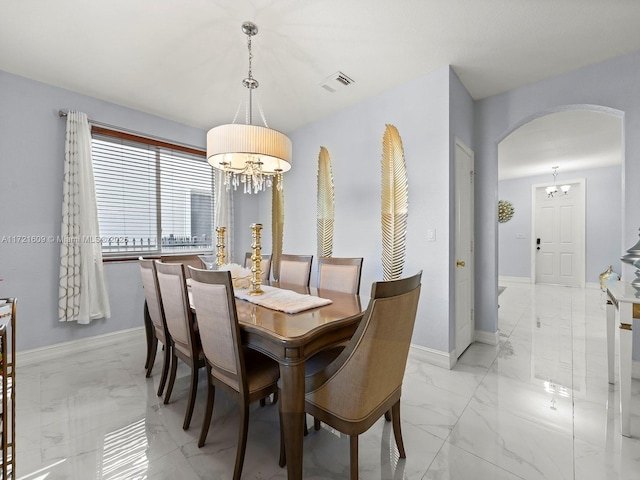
column 570, row 140
column 185, row 60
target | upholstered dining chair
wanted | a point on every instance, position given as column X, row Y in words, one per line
column 153, row 309
column 265, row 265
column 365, row 381
column 246, row 374
column 340, row 274
column 185, row 341
column 295, row 269
column 192, row 260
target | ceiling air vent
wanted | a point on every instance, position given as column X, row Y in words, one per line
column 336, row 81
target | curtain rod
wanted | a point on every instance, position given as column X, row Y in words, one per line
column 63, row 114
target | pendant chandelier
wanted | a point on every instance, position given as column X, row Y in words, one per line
column 249, row 155
column 553, row 189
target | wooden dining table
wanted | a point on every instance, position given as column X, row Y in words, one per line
column 290, row 339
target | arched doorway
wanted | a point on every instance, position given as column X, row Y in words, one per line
column 585, row 142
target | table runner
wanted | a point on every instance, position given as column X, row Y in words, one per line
column 283, row 300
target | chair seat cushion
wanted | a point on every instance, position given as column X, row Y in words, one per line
column 261, row 370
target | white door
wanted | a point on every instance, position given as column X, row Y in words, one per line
column 464, row 247
column 559, row 237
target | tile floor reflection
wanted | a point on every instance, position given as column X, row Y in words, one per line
column 537, row 406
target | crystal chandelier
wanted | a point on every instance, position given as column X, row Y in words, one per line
column 249, row 155
column 553, row 189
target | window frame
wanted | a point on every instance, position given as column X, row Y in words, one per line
column 158, row 144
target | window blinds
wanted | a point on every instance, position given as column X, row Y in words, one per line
column 152, row 197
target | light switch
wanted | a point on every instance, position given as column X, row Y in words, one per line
column 431, row 235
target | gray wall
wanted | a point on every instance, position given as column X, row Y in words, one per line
column 612, row 84
column 32, row 161
column 421, row 111
column 603, row 229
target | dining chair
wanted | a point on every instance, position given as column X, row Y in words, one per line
column 153, row 309
column 185, row 341
column 295, row 269
column 246, row 374
column 192, row 260
column 340, row 274
column 265, row 265
column 365, row 381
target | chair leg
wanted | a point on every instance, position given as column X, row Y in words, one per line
column 353, row 456
column 397, row 432
column 211, row 396
column 150, row 334
column 275, row 397
column 192, row 395
column 283, row 458
column 263, row 402
column 165, row 368
column 152, row 346
column 242, row 441
column 316, row 424
column 387, row 415
column 172, row 378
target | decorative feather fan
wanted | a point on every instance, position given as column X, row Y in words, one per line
column 395, row 204
column 325, row 204
column 277, row 224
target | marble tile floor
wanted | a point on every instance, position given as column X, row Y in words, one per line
column 536, row 406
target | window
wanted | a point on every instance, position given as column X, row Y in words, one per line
column 153, row 197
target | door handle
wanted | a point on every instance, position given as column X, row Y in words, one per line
column 460, row 263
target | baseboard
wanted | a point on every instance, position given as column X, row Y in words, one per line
column 487, row 337
column 434, row 357
column 59, row 350
column 514, row 279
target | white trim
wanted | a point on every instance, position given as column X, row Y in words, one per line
column 502, row 278
column 432, row 356
column 592, row 285
column 60, row 350
column 487, row 337
column 635, row 369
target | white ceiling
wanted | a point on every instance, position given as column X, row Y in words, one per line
column 569, row 140
column 184, row 60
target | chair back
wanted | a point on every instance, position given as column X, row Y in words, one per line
column 265, row 265
column 175, row 304
column 152, row 296
column 215, row 306
column 295, row 269
column 371, row 367
column 187, row 260
column 340, row 274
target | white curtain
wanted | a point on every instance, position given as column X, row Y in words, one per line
column 83, row 291
column 224, row 214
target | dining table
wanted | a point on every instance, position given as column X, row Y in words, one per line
column 291, row 339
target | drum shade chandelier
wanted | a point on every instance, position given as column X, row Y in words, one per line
column 249, row 155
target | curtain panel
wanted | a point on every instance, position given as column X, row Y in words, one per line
column 223, row 205
column 83, row 290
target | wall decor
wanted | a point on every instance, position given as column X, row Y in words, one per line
column 325, row 208
column 395, row 204
column 505, row 211
column 277, row 224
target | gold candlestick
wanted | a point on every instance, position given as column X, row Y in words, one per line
column 220, row 255
column 256, row 261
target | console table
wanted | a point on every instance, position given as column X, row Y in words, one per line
column 623, row 305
